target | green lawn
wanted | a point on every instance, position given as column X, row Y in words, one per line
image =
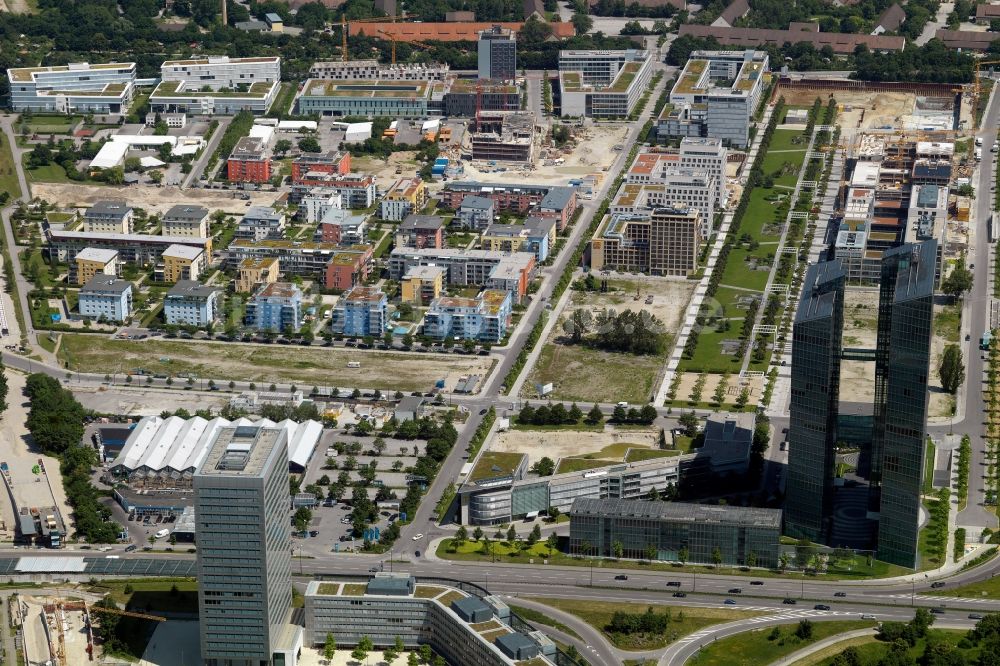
column 8, row 175
column 683, row 620
column 756, row 648
column 636, row 455
column 738, row 272
column 538, row 617
column 872, row 650
column 51, row 124
column 50, row 173
column 929, row 455
column 567, row 465
column 589, row 375
column 707, row 356
column 989, row 588
column 947, row 323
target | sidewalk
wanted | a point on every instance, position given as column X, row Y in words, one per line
column 794, row 657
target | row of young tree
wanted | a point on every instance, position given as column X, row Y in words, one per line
column 557, row 414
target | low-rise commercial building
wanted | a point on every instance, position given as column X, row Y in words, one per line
column 260, row 223
column 406, row 196
column 484, row 318
column 420, row 231
column 715, row 96
column 664, row 242
column 396, row 99
column 182, row 262
column 253, row 272
column 138, row 249
column 640, row 526
column 217, row 85
column 275, row 307
column 250, row 161
column 361, row 311
column 422, row 284
column 186, row 220
column 109, row 216
column 93, row 261
column 106, row 298
column 373, row 70
column 190, row 303
column 537, row 235
column 74, row 88
column 493, row 270
column 602, row 84
column 474, row 212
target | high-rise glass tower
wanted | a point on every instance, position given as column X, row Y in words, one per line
column 244, row 546
column 815, row 390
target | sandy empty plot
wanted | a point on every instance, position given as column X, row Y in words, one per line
column 868, row 110
column 270, row 363
column 557, row 444
column 153, row 199
column 670, row 298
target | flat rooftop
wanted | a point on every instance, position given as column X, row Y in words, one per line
column 241, row 451
column 219, row 60
column 678, row 512
column 368, row 89
column 494, row 465
column 28, row 73
column 257, row 90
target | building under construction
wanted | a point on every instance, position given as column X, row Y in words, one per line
column 508, row 137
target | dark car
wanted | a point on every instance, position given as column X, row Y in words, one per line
column 729, row 602
column 840, row 594
column 621, row 577
column 673, row 583
column 789, row 601
column 937, row 585
column 821, row 607
column 756, row 582
column 129, row 549
column 975, row 616
column 680, row 595
column 416, row 553
column 937, row 611
column 374, row 569
column 314, row 533
column 736, row 590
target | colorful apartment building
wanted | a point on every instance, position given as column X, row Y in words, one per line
column 422, row 284
column 420, row 231
column 406, row 196
column 484, row 318
column 361, row 311
column 254, row 272
column 310, row 165
column 348, row 268
column 250, row 162
column 182, row 262
column 94, row 261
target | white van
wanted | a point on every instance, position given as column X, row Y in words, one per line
column 161, row 533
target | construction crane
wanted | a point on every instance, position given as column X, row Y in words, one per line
column 343, row 28
column 126, row 613
column 392, row 40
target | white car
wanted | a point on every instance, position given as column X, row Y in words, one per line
column 418, row 537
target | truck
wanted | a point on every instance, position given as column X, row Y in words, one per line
column 161, row 533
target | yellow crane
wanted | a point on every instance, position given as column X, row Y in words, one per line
column 392, row 40
column 127, row 613
column 344, row 22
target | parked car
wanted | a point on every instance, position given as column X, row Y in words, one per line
column 130, row 548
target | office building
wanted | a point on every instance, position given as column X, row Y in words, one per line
column 244, row 550
column 106, row 298
column 902, row 369
column 406, row 196
column 109, row 216
column 665, row 242
column 372, row 70
column 497, row 49
column 715, row 96
column 370, row 99
column 474, row 213
column 465, row 95
column 250, row 161
column 739, row 533
column 711, row 156
column 457, row 623
column 420, row 231
column 361, row 311
column 493, row 270
column 252, row 273
column 815, row 396
column 183, row 262
column 422, row 284
column 93, row 261
column 673, row 187
column 190, row 303
column 260, row 223
column 275, row 307
column 339, row 226
column 316, row 204
column 537, row 235
column 602, row 84
column 484, row 318
column 217, row 85
column 74, row 88
column 186, row 220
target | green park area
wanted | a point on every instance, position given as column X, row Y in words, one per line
column 871, row 650
column 768, row 644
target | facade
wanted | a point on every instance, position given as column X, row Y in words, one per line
column 252, row 273
column 356, row 190
column 317, row 204
column 191, row 303
column 676, row 187
column 244, row 547
column 261, row 223
column 558, row 202
column 275, row 307
column 372, row 98
column 464, row 95
column 715, row 96
column 348, row 268
column 474, row 212
column 94, row 261
column 106, row 298
column 709, row 155
column 508, row 137
column 182, row 262
column 665, row 242
column 422, row 284
column 370, row 70
column 186, row 220
column 334, row 163
column 361, row 311
column 406, row 196
column 537, row 235
column 902, row 368
column 109, row 216
column 303, row 258
column 484, row 318
column 497, row 49
column 739, row 533
column 602, row 84
column 812, row 430
column 842, row 43
column 139, row 249
column 250, row 161
column 493, row 270
column 217, row 85
column 463, row 628
column 73, row 88
column 340, row 227
column 420, row 231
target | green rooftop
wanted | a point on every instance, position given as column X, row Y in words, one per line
column 259, row 89
column 494, row 465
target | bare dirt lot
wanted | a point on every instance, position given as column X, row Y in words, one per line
column 867, row 110
column 152, row 199
column 385, row 171
column 557, row 444
column 270, row 363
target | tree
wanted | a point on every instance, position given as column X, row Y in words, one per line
column 302, row 518
column 751, row 559
column 683, row 554
column 619, row 415
column 398, row 644
column 578, row 324
column 511, row 534
column 595, row 415
column 552, row 542
column 716, row 556
column 575, row 415
column 582, row 23
column 425, row 653
column 282, row 146
column 477, row 533
column 958, row 281
column 553, row 512
column 805, row 630
column 617, row 549
column 329, row 647
column 690, row 422
column 413, row 659
column 309, row 144
column 3, row 390
column 651, row 551
column 544, row 467
column 461, row 536
column 951, row 369
column 535, row 535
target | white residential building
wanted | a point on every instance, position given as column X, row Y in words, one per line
column 74, row 88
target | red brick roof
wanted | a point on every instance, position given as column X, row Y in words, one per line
column 839, row 42
column 445, row 32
